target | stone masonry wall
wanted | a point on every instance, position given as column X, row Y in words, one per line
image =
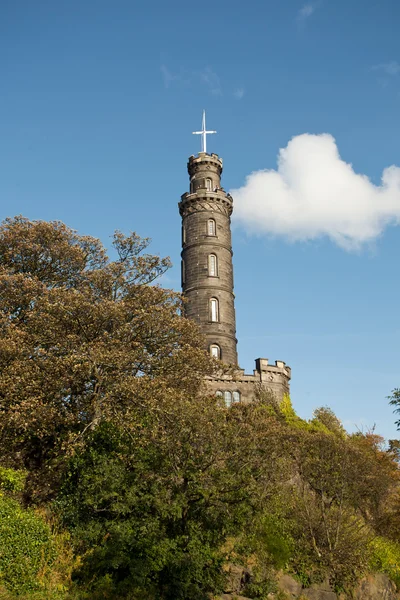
column 275, row 378
column 206, row 200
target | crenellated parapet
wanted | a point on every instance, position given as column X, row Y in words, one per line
column 242, row 387
column 204, row 161
column 271, row 373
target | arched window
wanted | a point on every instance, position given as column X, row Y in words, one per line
column 214, row 312
column 183, row 234
column 208, row 184
column 236, row 396
column 183, row 271
column 215, row 351
column 211, row 227
column 212, row 265
column 228, row 398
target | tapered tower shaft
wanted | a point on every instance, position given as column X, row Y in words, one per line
column 207, row 269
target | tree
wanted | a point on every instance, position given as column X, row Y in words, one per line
column 152, row 508
column 102, row 403
column 331, row 535
column 83, row 339
column 344, row 490
column 101, row 394
column 395, row 401
column 328, row 419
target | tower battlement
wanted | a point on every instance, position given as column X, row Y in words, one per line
column 274, row 378
column 203, row 158
column 266, row 371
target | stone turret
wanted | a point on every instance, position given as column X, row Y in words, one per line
column 207, row 270
column 207, row 281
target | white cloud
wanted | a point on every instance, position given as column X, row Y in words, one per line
column 391, row 68
column 211, row 80
column 206, row 78
column 239, row 93
column 169, row 77
column 314, row 193
column 306, row 11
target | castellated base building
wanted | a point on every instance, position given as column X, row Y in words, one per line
column 207, row 282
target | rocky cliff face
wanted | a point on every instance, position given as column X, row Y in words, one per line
column 372, row 587
column 376, row 586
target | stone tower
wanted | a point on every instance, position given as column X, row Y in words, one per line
column 207, row 270
column 207, row 281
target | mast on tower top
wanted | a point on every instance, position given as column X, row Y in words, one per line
column 203, row 133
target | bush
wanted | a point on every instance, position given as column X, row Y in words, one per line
column 12, row 480
column 26, row 547
column 386, row 558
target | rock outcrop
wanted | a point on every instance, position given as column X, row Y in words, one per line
column 376, row 586
column 372, row 587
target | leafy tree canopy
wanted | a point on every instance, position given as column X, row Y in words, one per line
column 106, row 425
column 83, row 339
column 395, row 401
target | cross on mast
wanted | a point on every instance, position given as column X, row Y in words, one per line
column 203, row 134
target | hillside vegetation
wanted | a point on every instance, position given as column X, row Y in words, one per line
column 121, row 478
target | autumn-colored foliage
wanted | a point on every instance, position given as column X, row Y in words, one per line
column 83, row 339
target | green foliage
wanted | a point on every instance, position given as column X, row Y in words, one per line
column 133, row 530
column 386, row 558
column 267, row 546
column 394, row 449
column 83, row 339
column 105, row 418
column 395, row 401
column 324, row 419
column 142, row 527
column 262, row 583
column 268, row 537
column 26, row 546
column 289, row 414
column 287, row 410
column 12, row 480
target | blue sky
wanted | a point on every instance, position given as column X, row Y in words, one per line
column 98, row 101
